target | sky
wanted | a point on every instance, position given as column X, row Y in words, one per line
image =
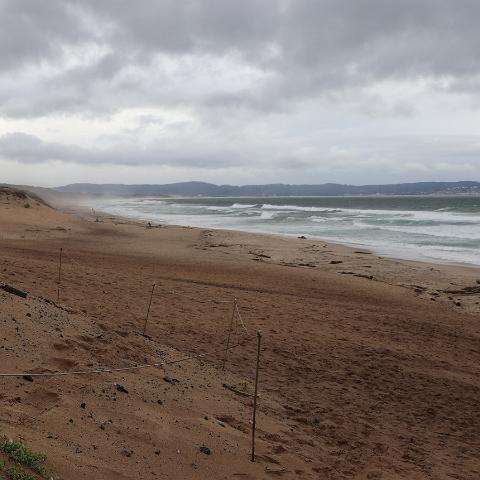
column 239, row 92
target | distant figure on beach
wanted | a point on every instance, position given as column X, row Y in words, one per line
column 149, row 225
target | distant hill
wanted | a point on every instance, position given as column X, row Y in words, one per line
column 326, row 189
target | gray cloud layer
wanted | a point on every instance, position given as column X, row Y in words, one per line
column 29, row 149
column 229, row 63
column 300, row 48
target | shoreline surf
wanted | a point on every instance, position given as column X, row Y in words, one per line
column 448, row 235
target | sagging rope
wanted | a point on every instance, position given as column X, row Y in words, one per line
column 241, row 319
column 121, row 369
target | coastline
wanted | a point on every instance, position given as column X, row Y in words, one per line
column 248, row 218
column 448, row 283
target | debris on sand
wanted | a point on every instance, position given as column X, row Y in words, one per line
column 13, row 290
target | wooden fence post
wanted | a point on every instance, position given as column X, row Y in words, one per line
column 59, row 274
column 148, row 310
column 254, row 423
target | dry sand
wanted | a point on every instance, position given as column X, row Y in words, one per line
column 370, row 367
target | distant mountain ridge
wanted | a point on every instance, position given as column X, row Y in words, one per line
column 326, row 189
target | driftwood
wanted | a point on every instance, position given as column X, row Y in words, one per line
column 13, row 290
column 361, row 275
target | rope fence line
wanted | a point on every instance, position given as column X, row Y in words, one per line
column 173, row 292
column 237, row 309
column 236, row 316
column 160, row 289
column 123, row 369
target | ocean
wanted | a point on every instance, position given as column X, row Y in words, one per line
column 434, row 229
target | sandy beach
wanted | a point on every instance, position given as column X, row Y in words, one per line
column 369, row 368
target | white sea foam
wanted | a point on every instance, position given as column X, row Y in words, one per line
column 243, row 205
column 267, row 215
column 267, row 206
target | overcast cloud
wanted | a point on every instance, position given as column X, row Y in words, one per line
column 299, row 91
